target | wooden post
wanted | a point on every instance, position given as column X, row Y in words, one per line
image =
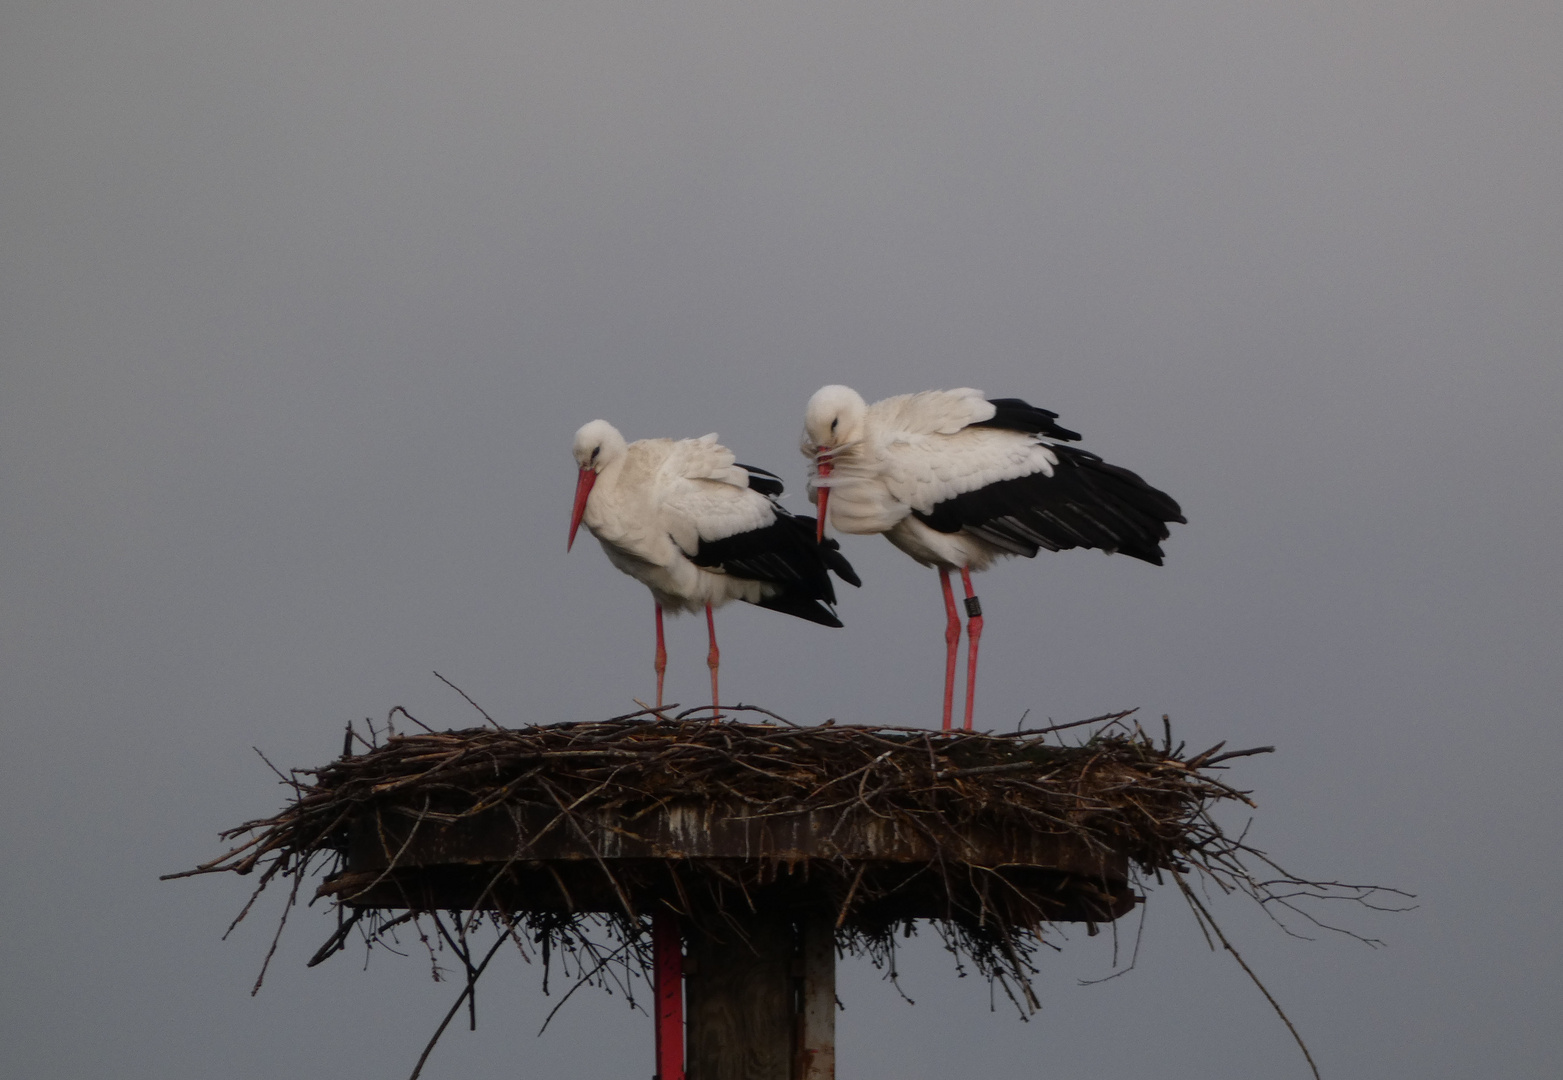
column 740, row 999
column 762, row 999
column 816, row 1027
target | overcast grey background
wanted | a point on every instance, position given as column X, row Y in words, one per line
column 303, row 301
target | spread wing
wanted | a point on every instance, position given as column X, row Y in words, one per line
column 1082, row 501
column 922, row 471
column 932, row 412
column 961, row 462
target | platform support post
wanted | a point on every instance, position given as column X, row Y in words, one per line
column 667, row 960
column 816, row 1026
column 741, row 996
column 762, row 998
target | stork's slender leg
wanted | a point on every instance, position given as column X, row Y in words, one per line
column 713, row 661
column 973, row 635
column 952, row 641
column 662, row 656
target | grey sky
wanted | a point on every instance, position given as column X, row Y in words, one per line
column 302, row 303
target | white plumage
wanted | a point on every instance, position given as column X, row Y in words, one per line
column 655, row 500
column 682, row 517
column 908, row 454
column 956, row 480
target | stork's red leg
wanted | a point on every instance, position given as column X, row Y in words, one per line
column 662, row 656
column 667, row 968
column 713, row 661
column 952, row 641
column 973, row 635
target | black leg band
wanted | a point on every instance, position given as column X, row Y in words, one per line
column 973, row 607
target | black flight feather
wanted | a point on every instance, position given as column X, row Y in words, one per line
column 792, row 604
column 784, row 554
column 1085, row 503
column 1016, row 415
column 830, row 551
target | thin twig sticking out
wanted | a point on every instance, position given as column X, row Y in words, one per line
column 466, row 991
column 474, row 704
column 1205, row 915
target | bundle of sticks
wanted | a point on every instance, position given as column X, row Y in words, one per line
column 1135, row 799
column 1118, row 789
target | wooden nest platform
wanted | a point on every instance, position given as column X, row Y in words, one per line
column 766, row 847
column 993, row 836
column 874, row 825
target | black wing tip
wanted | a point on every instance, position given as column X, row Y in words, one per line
column 1017, row 414
column 803, row 607
column 830, row 554
column 763, row 480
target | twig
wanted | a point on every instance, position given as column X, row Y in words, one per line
column 398, row 709
column 1208, row 762
column 474, row 704
column 1105, row 718
column 466, row 991
column 1208, row 919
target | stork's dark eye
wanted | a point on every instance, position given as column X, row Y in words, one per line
column 595, row 451
column 833, row 424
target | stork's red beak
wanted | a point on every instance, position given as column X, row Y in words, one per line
column 822, row 464
column 583, row 488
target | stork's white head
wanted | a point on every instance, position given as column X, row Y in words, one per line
column 832, row 422
column 598, row 444
column 833, row 419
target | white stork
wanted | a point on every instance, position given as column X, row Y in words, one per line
column 697, row 529
column 955, row 480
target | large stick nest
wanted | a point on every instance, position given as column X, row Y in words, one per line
column 1140, row 805
column 544, row 833
column 986, row 831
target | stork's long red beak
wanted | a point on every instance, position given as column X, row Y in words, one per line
column 823, row 465
column 583, row 489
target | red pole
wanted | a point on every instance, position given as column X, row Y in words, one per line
column 667, row 963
